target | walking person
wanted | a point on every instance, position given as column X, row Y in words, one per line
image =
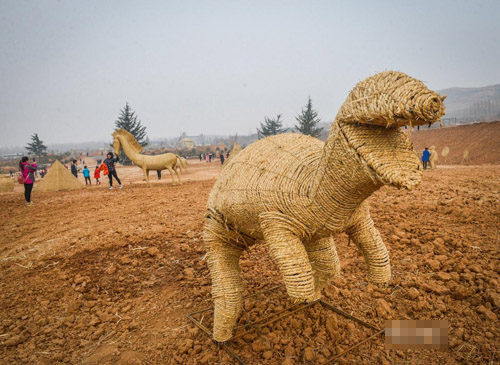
column 425, row 157
column 27, row 177
column 110, row 163
column 86, row 175
column 221, row 158
column 74, row 169
column 97, row 175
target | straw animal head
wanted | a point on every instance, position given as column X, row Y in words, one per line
column 127, row 136
column 392, row 99
column 370, row 119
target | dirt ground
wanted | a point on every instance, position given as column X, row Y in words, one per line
column 97, row 276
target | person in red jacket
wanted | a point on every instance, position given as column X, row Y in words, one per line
column 97, row 175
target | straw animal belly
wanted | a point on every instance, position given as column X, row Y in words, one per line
column 153, row 162
column 273, row 174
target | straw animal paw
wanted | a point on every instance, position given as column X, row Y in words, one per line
column 296, row 193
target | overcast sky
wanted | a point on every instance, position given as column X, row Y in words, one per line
column 219, row 67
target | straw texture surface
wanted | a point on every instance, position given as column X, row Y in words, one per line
column 6, row 183
column 59, row 178
column 295, row 193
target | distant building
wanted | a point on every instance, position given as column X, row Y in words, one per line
column 187, row 143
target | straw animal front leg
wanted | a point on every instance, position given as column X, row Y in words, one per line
column 369, row 241
column 324, row 261
column 284, row 238
column 223, row 262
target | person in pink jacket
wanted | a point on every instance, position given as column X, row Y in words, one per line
column 28, row 173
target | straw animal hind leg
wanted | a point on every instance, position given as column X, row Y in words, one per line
column 146, row 175
column 172, row 170
column 324, row 261
column 368, row 239
column 284, row 237
column 223, row 254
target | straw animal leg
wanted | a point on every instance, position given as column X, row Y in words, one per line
column 324, row 261
column 223, row 254
column 369, row 241
column 146, row 174
column 284, row 238
column 178, row 173
column 172, row 175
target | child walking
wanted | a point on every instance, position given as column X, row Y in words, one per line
column 86, row 175
column 97, row 175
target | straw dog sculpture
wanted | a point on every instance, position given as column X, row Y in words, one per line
column 132, row 148
column 296, row 192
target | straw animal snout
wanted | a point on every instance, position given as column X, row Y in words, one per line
column 392, row 99
column 427, row 107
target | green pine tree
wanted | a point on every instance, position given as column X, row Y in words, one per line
column 36, row 146
column 271, row 127
column 128, row 120
column 308, row 121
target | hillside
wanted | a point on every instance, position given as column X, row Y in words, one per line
column 482, row 140
column 472, row 103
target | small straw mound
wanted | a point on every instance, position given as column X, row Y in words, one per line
column 59, row 178
column 236, row 149
column 6, row 184
column 445, row 151
column 392, row 99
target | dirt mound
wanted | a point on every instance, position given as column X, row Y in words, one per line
column 59, row 178
column 481, row 140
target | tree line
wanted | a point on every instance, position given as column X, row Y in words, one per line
column 307, row 123
column 127, row 119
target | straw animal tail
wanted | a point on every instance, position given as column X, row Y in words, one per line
column 296, row 193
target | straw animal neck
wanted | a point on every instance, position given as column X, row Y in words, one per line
column 129, row 150
column 343, row 171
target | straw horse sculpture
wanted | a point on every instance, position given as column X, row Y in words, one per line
column 132, row 148
column 296, row 192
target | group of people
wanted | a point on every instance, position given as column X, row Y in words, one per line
column 28, row 171
column 208, row 157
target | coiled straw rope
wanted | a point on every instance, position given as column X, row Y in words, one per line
column 296, row 192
